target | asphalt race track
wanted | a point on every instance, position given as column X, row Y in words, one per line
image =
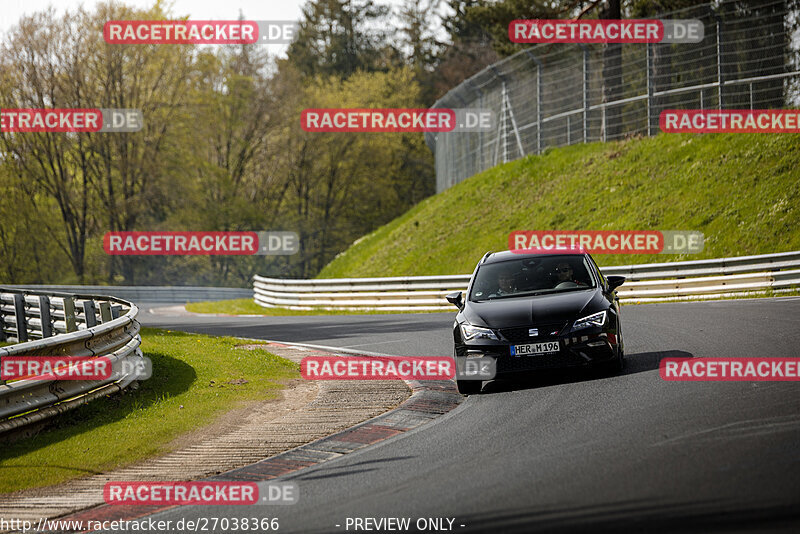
column 569, row 452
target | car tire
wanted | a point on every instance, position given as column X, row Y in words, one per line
column 465, row 387
column 619, row 362
column 614, row 366
column 469, row 387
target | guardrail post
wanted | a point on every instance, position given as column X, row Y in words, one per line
column 19, row 317
column 69, row 314
column 2, row 325
column 105, row 312
column 89, row 313
column 44, row 315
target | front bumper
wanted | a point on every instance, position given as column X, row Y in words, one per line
column 583, row 350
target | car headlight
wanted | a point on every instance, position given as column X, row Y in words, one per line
column 476, row 332
column 596, row 319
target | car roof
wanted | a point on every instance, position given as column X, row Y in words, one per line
column 496, row 257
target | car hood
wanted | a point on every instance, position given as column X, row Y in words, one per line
column 523, row 311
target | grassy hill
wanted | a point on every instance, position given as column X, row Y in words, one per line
column 741, row 190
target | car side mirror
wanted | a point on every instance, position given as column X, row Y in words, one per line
column 455, row 300
column 614, row 282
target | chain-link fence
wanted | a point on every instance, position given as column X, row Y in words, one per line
column 559, row 94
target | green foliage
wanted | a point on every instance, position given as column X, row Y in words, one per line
column 741, row 190
column 340, row 38
column 342, row 185
column 221, row 149
column 494, row 18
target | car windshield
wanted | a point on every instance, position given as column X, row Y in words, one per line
column 531, row 276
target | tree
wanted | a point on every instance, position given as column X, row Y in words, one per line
column 343, row 185
column 136, row 173
column 43, row 65
column 494, row 18
column 340, row 37
column 98, row 181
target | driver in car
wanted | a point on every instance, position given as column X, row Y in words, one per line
column 505, row 284
column 564, row 272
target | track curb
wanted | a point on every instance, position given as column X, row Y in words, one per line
column 429, row 400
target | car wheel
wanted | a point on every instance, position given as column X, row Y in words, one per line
column 469, row 387
column 614, row 366
column 465, row 387
column 619, row 363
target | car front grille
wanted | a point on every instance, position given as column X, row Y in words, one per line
column 520, row 334
column 544, row 361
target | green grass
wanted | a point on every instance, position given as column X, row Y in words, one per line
column 249, row 307
column 741, row 190
column 189, row 389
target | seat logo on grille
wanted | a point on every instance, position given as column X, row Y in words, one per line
column 533, row 332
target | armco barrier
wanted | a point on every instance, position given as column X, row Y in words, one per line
column 699, row 279
column 62, row 324
column 172, row 294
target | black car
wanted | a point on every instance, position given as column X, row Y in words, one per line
column 526, row 312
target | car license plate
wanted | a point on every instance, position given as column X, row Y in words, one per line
column 547, row 347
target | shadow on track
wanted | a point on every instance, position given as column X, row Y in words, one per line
column 634, row 363
column 640, row 516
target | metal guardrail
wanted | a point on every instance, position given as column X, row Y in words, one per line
column 63, row 324
column 172, row 294
column 698, row 279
